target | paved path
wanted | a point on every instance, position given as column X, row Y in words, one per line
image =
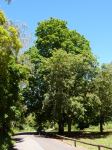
column 36, row 142
column 26, row 142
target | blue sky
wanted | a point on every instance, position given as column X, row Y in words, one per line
column 92, row 18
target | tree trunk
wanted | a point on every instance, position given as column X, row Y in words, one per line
column 101, row 123
column 61, row 127
column 69, row 125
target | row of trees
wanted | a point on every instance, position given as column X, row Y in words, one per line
column 58, row 80
column 66, row 85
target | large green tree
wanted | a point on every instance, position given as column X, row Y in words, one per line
column 68, row 80
column 9, row 75
column 77, row 70
column 59, row 78
column 54, row 35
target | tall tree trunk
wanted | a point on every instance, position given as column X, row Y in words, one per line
column 61, row 126
column 69, row 125
column 101, row 123
column 39, row 121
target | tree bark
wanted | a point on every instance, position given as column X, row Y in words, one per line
column 69, row 124
column 101, row 123
column 61, row 126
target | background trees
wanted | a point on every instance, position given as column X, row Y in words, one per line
column 34, row 91
column 104, row 92
column 10, row 77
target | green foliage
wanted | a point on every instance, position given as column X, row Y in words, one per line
column 68, row 79
column 63, row 69
column 104, row 92
column 34, row 91
column 53, row 34
column 2, row 18
column 9, row 78
column 59, row 79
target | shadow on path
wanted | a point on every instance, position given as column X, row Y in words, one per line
column 17, row 140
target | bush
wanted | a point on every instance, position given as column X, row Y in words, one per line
column 5, row 142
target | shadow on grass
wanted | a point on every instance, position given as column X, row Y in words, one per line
column 83, row 134
column 77, row 134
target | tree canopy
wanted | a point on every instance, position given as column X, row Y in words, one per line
column 54, row 34
column 68, row 69
column 58, row 80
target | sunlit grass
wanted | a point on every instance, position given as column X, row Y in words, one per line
column 106, row 141
column 95, row 137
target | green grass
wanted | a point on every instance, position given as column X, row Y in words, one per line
column 92, row 135
column 105, row 140
column 107, row 127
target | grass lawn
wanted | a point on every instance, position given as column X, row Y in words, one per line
column 93, row 138
column 104, row 140
column 92, row 135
